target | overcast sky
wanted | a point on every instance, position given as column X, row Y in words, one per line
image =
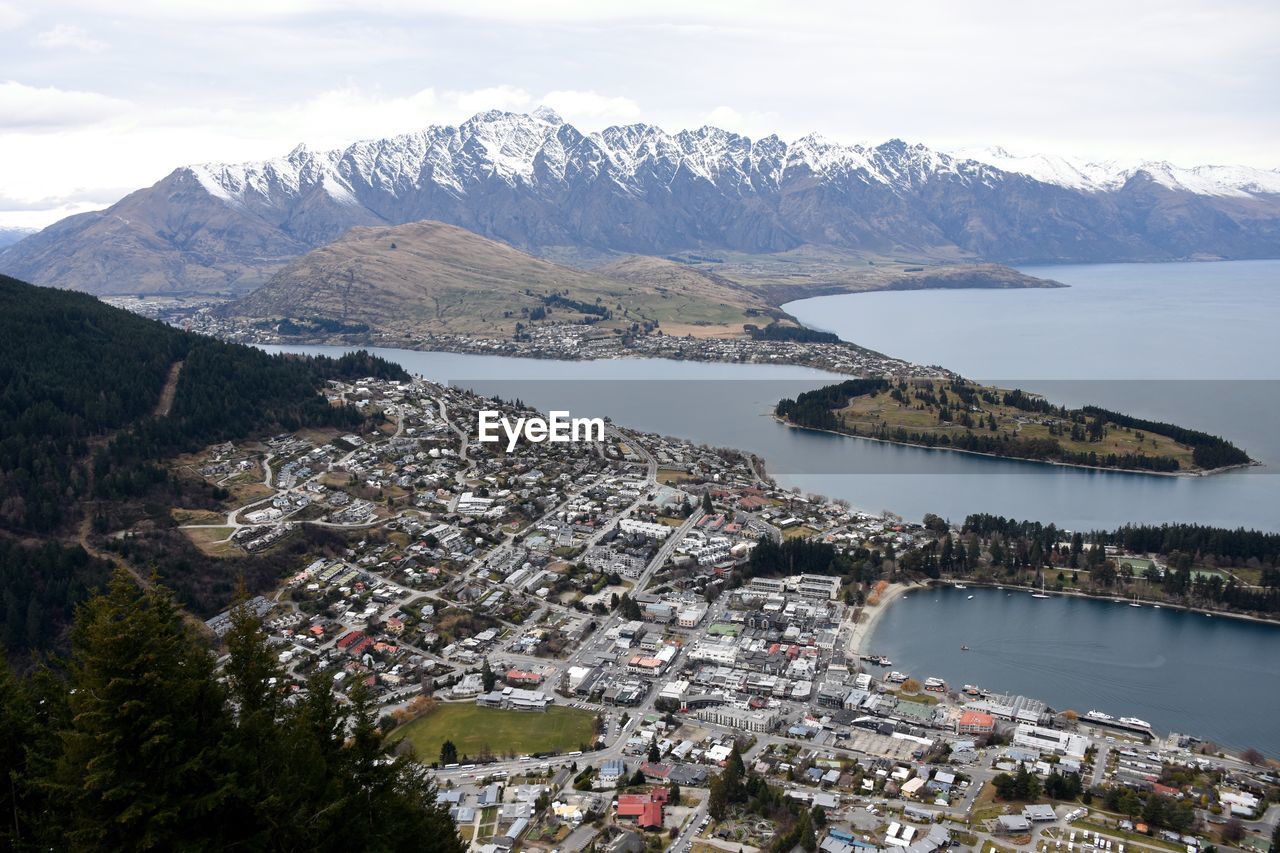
column 99, row 98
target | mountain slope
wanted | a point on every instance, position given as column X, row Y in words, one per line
column 432, row 277
column 538, row 183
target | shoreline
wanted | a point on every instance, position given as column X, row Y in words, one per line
column 865, row 627
column 1206, row 472
column 1109, row 597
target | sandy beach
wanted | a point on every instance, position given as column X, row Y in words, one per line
column 863, row 629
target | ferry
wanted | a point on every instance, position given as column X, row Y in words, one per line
column 937, row 685
column 972, row 690
column 1132, row 724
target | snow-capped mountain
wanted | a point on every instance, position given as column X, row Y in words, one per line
column 537, row 182
column 1237, row 181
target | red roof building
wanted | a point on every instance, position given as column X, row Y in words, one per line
column 645, row 809
column 975, row 723
column 349, row 639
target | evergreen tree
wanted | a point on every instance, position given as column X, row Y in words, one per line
column 141, row 766
column 448, row 753
column 487, row 678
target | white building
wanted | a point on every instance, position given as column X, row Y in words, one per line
column 763, row 720
column 648, row 529
column 1050, row 740
column 691, row 617
column 822, row 587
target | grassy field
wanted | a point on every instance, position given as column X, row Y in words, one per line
column 210, row 540
column 918, row 413
column 474, row 730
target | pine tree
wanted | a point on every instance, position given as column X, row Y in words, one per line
column 141, row 766
column 487, row 677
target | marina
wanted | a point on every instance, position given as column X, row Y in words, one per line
column 1144, row 671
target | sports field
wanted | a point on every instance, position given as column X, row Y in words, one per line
column 475, row 730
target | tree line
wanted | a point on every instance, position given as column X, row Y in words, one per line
column 80, row 377
column 796, row 334
column 814, row 409
column 139, row 743
column 819, row 409
column 1208, row 451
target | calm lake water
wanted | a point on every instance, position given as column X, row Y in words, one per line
column 1193, row 344
column 1212, row 677
column 1155, row 341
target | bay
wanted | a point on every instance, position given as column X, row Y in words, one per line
column 1212, row 677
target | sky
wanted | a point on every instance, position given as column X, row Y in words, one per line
column 100, row 98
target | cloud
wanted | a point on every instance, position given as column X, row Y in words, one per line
column 11, row 17
column 467, row 104
column 64, row 36
column 591, row 110
column 752, row 123
column 47, row 108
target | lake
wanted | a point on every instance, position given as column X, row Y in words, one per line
column 1193, row 344
column 1212, row 677
column 1087, row 343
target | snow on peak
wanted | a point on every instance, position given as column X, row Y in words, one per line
column 1091, row 176
column 540, row 149
column 548, row 115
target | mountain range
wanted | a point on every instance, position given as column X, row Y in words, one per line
column 537, row 183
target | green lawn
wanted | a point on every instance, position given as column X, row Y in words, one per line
column 473, row 729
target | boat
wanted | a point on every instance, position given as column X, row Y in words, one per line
column 1132, row 724
column 1134, row 603
column 960, row 586
column 970, row 598
column 972, row 690
column 964, row 648
column 935, row 685
column 1041, row 593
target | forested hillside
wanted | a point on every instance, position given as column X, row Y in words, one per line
column 80, row 383
column 140, row 745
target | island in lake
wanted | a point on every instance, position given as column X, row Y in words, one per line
column 957, row 414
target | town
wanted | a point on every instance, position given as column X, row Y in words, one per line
column 604, row 646
column 552, row 340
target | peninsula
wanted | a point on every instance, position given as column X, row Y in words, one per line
column 957, row 414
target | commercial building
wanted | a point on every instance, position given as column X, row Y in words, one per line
column 819, row 587
column 975, row 723
column 1050, row 740
column 762, row 720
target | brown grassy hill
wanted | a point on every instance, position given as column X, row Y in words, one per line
column 432, row 277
